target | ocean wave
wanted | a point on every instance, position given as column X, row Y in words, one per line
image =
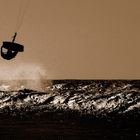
column 98, row 98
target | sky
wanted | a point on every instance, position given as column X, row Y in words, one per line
column 73, row 39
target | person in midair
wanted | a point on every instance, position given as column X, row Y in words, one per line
column 11, row 49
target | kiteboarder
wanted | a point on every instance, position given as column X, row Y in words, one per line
column 9, row 50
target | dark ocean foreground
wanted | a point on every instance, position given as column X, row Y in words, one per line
column 71, row 109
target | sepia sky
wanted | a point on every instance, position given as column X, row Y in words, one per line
column 76, row 39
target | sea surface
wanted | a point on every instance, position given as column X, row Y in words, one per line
column 70, row 109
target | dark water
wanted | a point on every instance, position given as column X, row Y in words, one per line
column 72, row 110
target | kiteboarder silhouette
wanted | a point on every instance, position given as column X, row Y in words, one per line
column 9, row 50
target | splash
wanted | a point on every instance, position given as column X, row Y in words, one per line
column 29, row 76
column 22, row 72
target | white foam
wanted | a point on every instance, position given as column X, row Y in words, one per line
column 32, row 74
column 22, row 71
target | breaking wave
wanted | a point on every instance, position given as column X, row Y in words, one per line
column 98, row 98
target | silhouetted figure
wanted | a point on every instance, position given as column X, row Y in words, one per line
column 10, row 49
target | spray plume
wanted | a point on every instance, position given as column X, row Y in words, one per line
column 31, row 76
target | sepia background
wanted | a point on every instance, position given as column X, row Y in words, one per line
column 74, row 39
